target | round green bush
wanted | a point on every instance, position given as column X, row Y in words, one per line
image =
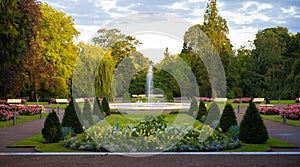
column 52, row 131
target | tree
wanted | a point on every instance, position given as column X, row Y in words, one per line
column 193, row 107
column 120, row 44
column 202, row 111
column 52, row 131
column 71, row 118
column 105, row 106
column 58, row 32
column 252, row 128
column 87, row 118
column 228, row 118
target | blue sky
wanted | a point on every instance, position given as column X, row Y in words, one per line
column 244, row 18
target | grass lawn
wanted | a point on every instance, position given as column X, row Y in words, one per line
column 278, row 118
column 34, row 103
column 21, row 118
column 55, row 106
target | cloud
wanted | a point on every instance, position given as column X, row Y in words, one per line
column 178, row 6
column 291, row 10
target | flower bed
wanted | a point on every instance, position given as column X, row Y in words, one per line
column 269, row 110
column 153, row 136
column 6, row 111
column 292, row 112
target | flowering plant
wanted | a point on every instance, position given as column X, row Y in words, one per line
column 269, row 111
column 6, row 115
column 292, row 112
column 244, row 100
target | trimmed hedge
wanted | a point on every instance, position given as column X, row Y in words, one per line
column 52, row 131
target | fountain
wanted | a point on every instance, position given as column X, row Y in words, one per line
column 149, row 83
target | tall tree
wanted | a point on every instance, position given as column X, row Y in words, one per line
column 58, row 32
column 120, row 44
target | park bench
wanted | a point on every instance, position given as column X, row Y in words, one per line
column 14, row 101
column 219, row 99
column 266, row 105
column 61, row 101
column 258, row 100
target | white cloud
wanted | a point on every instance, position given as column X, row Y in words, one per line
column 291, row 10
column 242, row 36
column 197, row 1
column 242, row 18
column 106, row 5
column 178, row 6
column 257, row 5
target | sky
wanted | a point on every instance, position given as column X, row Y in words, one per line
column 244, row 18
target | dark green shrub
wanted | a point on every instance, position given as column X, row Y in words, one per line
column 169, row 97
column 105, row 106
column 97, row 111
column 213, row 115
column 71, row 119
column 87, row 118
column 193, row 107
column 228, row 118
column 202, row 111
column 52, row 132
column 252, row 128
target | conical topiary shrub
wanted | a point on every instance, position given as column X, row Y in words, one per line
column 52, row 131
column 228, row 118
column 70, row 118
column 252, row 128
column 202, row 112
column 213, row 115
column 97, row 111
column 193, row 107
column 105, row 106
column 87, row 118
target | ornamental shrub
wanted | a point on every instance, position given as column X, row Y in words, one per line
column 169, row 97
column 252, row 128
column 87, row 118
column 202, row 112
column 71, row 119
column 52, row 132
column 105, row 106
column 213, row 115
column 193, row 107
column 97, row 111
column 228, row 118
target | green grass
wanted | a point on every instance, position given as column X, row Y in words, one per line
column 278, row 118
column 55, row 106
column 122, row 120
column 21, row 118
column 34, row 103
column 271, row 142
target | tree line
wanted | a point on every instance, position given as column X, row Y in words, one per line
column 40, row 59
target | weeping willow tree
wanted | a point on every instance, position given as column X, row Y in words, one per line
column 104, row 76
column 93, row 73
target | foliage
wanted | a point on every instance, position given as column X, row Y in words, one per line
column 169, row 97
column 269, row 111
column 153, row 135
column 6, row 112
column 120, row 44
column 213, row 116
column 193, row 107
column 105, row 106
column 58, row 31
column 202, row 112
column 252, row 128
column 97, row 113
column 292, row 112
column 87, row 118
column 52, row 131
column 228, row 118
column 71, row 118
